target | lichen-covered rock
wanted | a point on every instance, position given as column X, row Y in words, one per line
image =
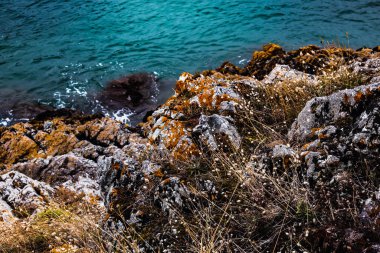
column 6, row 215
column 369, row 67
column 334, row 149
column 285, row 73
column 21, row 195
column 52, row 136
column 104, row 132
column 262, row 62
column 171, row 195
column 336, row 110
column 370, row 213
column 127, row 184
column 339, row 141
column 217, row 132
column 309, row 59
column 173, row 123
column 16, row 145
column 59, row 169
column 340, row 131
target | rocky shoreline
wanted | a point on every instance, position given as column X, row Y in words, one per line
column 286, row 147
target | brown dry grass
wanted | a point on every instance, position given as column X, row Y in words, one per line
column 253, row 210
column 268, row 110
column 68, row 224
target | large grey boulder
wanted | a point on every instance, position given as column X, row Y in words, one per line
column 370, row 67
column 285, row 73
column 216, row 132
column 21, row 195
column 340, row 131
column 337, row 110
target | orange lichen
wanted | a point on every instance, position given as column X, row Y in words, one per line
column 116, row 166
column 368, row 92
column 15, row 147
column 195, row 95
column 114, row 192
column 304, row 154
column 186, row 150
column 94, row 199
column 269, row 50
column 306, row 146
column 158, row 173
column 25, row 141
column 220, row 99
column 180, row 87
column 182, row 106
column 175, row 131
column 206, row 98
column 57, row 142
column 166, row 181
column 359, row 96
column 314, row 131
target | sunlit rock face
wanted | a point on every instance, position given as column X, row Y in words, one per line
column 173, row 123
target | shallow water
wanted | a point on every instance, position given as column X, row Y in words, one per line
column 60, row 52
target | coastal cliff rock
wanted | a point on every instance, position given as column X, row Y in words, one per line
column 173, row 123
column 300, row 166
column 335, row 150
column 57, row 135
column 309, row 59
column 21, row 195
column 339, row 139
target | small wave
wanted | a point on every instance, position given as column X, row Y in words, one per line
column 8, row 119
column 123, row 115
column 59, row 100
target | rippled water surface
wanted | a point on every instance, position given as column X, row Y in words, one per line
column 60, row 51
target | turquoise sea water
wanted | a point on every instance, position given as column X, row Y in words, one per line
column 60, row 51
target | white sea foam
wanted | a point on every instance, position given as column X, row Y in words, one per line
column 5, row 121
column 122, row 115
column 60, row 103
column 243, row 61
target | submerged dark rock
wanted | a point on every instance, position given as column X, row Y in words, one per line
column 133, row 91
column 25, row 109
column 22, row 110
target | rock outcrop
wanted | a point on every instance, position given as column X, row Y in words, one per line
column 339, row 143
column 21, row 196
column 155, row 174
column 210, row 94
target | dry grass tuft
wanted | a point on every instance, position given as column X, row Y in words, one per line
column 252, row 210
column 64, row 227
column 268, row 110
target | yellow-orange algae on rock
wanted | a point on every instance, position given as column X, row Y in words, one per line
column 196, row 95
column 25, row 141
column 15, row 144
